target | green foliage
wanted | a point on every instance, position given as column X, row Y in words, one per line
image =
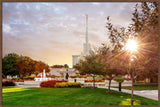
column 118, row 79
column 9, row 65
column 29, row 78
column 92, row 65
column 78, row 75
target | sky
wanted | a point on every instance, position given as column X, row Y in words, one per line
column 53, row 32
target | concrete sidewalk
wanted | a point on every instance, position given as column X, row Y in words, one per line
column 152, row 94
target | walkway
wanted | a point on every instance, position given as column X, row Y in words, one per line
column 152, row 94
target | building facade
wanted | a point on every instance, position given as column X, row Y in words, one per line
column 86, row 47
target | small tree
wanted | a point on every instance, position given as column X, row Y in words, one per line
column 114, row 62
column 92, row 65
column 119, row 80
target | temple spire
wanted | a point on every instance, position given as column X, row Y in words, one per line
column 86, row 29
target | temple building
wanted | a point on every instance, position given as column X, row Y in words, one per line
column 86, row 47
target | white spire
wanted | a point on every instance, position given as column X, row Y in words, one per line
column 87, row 29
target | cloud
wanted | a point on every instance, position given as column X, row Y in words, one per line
column 53, row 32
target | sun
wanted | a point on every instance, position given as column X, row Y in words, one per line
column 131, row 45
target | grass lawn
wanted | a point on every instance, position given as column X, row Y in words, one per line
column 141, row 86
column 67, row 96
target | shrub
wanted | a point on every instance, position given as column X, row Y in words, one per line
column 73, row 76
column 50, row 83
column 96, row 80
column 118, row 79
column 68, row 85
column 52, row 76
column 7, row 82
column 17, row 79
column 29, row 78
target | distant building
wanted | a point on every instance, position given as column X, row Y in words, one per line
column 86, row 47
column 62, row 71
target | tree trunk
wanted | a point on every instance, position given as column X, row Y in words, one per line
column 93, row 81
column 75, row 80
column 149, row 79
column 109, row 86
column 119, row 86
column 132, row 100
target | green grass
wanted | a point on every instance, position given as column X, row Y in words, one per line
column 67, row 96
column 141, row 86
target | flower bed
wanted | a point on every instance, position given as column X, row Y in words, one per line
column 78, row 76
column 108, row 78
column 91, row 80
column 127, row 79
column 50, row 83
column 8, row 82
column 68, row 85
column 17, row 79
column 20, row 80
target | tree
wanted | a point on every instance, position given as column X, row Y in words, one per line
column 66, row 66
column 114, row 63
column 57, row 66
column 76, row 66
column 119, row 80
column 40, row 66
column 25, row 66
column 9, row 65
column 144, row 29
column 93, row 65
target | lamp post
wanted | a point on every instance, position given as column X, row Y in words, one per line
column 131, row 46
column 133, row 60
